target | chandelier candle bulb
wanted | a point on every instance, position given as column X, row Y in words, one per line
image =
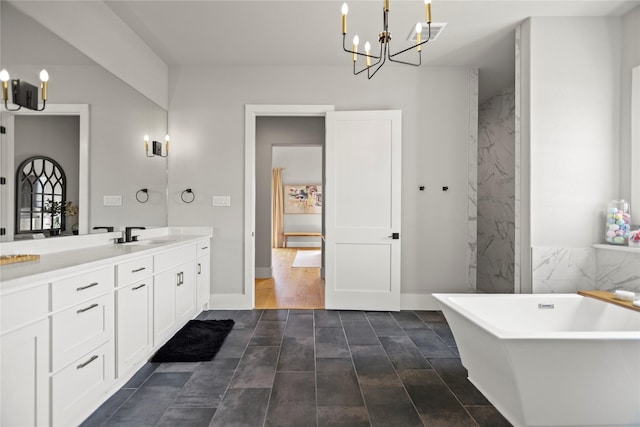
column 345, row 11
column 367, row 50
column 419, row 36
column 166, row 138
column 427, row 4
column 386, row 5
column 356, row 42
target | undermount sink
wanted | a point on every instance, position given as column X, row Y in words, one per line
column 147, row 242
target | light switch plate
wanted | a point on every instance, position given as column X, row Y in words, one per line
column 221, row 201
column 112, row 200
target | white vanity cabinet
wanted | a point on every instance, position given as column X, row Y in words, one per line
column 24, row 358
column 134, row 297
column 71, row 334
column 203, row 276
column 174, row 291
column 82, row 344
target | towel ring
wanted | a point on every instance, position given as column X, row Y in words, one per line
column 188, row 191
column 145, row 197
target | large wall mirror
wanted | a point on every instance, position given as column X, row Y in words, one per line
column 635, row 146
column 111, row 119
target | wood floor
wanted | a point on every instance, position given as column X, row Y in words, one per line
column 300, row 288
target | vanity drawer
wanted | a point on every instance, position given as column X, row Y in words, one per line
column 71, row 291
column 80, row 328
column 169, row 259
column 23, row 307
column 203, row 248
column 76, row 389
column 131, row 271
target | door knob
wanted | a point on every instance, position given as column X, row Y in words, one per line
column 395, row 236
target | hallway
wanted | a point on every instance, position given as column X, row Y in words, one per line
column 290, row 287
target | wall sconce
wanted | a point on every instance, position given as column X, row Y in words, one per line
column 156, row 148
column 24, row 94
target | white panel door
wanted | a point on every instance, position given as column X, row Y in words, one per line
column 362, row 210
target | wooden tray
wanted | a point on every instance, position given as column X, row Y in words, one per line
column 10, row 259
column 608, row 297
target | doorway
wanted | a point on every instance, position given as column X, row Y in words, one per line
column 289, row 152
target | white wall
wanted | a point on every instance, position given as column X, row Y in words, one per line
column 630, row 59
column 575, row 110
column 119, row 118
column 207, row 116
column 572, row 132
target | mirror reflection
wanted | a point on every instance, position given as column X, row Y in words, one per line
column 41, row 188
column 106, row 159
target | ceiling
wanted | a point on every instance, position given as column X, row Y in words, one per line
column 479, row 33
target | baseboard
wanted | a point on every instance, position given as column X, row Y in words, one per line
column 264, row 273
column 418, row 302
column 230, row 302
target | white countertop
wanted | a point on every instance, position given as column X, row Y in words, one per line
column 22, row 275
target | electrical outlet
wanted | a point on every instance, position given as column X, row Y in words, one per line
column 112, row 200
column 224, row 201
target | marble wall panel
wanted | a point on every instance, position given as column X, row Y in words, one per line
column 563, row 270
column 496, row 193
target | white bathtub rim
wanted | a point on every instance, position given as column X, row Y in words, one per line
column 449, row 300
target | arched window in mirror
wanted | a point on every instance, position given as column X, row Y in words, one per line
column 41, row 190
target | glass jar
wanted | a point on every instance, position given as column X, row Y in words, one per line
column 618, row 223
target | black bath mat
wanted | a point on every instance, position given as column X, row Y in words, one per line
column 197, row 341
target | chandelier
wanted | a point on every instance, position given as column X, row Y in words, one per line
column 384, row 38
column 24, row 94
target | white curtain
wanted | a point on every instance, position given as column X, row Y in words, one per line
column 277, row 208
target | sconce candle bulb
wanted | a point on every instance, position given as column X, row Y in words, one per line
column 4, row 78
column 44, row 79
column 166, row 139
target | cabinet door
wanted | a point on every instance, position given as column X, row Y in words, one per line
column 164, row 305
column 24, row 390
column 133, row 323
column 203, row 283
column 186, row 292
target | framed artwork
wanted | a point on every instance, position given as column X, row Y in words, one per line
column 302, row 199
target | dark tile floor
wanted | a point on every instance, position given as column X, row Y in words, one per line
column 311, row 368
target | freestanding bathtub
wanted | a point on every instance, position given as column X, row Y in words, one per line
column 550, row 360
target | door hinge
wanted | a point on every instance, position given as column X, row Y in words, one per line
column 3, row 180
column 3, row 130
column 3, row 231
